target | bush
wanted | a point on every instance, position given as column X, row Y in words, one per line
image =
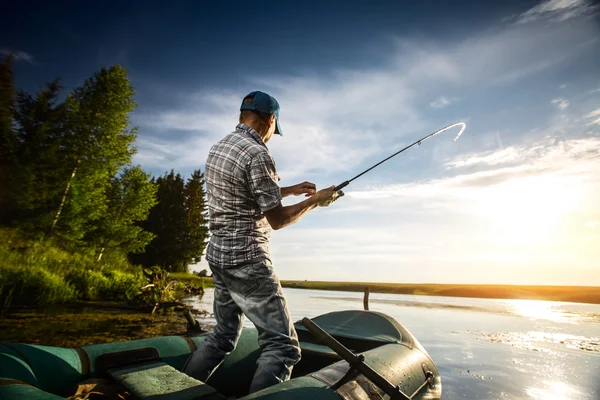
column 33, row 285
column 123, row 285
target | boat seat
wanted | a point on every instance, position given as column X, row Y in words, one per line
column 160, row 381
column 319, row 349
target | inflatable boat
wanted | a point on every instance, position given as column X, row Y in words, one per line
column 345, row 355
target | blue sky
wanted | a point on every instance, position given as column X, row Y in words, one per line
column 515, row 200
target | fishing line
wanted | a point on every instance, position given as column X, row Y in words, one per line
column 346, row 183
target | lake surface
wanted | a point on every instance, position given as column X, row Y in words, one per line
column 484, row 348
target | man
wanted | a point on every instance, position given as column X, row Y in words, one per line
column 244, row 202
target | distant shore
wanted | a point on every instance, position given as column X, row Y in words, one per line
column 576, row 294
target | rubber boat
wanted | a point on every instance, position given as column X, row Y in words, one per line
column 345, row 355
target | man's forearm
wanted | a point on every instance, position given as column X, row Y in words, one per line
column 293, row 213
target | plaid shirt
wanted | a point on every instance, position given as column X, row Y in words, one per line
column 242, row 183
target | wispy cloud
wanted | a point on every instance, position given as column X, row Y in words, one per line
column 442, row 102
column 19, row 55
column 349, row 110
column 593, row 117
column 567, row 162
column 558, row 10
column 561, row 103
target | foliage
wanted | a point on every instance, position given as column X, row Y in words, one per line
column 131, row 195
column 179, row 221
column 73, row 208
column 33, row 285
column 7, row 137
column 203, row 273
column 44, row 274
column 192, row 279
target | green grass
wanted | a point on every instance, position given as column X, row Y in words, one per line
column 192, row 279
column 34, row 274
column 579, row 294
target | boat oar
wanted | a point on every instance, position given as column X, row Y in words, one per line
column 357, row 362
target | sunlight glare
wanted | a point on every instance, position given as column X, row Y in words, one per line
column 528, row 210
column 536, row 309
column 553, row 390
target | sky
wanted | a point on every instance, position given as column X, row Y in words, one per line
column 516, row 200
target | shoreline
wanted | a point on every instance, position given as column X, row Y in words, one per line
column 572, row 294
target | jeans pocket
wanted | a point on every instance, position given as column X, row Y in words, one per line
column 245, row 279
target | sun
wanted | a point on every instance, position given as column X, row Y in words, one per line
column 529, row 210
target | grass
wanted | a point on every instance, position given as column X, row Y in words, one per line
column 192, row 279
column 579, row 294
column 36, row 274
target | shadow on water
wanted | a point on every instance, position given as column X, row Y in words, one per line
column 78, row 325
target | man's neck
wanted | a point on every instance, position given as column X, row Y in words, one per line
column 254, row 126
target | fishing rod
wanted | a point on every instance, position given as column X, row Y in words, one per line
column 346, row 183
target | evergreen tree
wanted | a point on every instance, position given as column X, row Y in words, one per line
column 7, row 134
column 167, row 220
column 36, row 168
column 131, row 196
column 179, row 221
column 197, row 219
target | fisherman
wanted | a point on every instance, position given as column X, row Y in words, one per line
column 244, row 203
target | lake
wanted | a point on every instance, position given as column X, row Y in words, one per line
column 484, row 348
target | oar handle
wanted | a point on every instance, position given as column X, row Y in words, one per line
column 341, row 185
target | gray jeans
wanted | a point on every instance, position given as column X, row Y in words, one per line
column 252, row 290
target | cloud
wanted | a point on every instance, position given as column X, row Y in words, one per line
column 19, row 55
column 562, row 104
column 441, row 102
column 354, row 114
column 558, row 10
column 570, row 162
column 594, row 116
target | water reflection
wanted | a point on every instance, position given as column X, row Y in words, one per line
column 485, row 348
column 554, row 390
column 536, row 309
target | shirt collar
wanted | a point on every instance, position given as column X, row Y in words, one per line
column 245, row 128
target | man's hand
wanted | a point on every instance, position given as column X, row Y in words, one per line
column 306, row 188
column 325, row 197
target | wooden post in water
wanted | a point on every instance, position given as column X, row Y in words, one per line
column 366, row 299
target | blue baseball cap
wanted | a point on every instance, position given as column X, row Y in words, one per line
column 263, row 103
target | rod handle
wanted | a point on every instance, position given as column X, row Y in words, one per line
column 341, row 185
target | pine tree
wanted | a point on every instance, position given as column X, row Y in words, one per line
column 7, row 133
column 131, row 196
column 179, row 221
column 197, row 219
column 36, row 167
column 167, row 220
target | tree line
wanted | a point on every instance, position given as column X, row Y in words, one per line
column 66, row 175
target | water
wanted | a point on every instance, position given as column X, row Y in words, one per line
column 484, row 348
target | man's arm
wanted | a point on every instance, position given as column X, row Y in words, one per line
column 280, row 216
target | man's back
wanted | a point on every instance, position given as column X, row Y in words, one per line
column 242, row 183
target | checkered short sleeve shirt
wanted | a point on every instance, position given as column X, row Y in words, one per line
column 242, row 183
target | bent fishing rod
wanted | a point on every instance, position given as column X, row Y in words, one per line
column 346, row 183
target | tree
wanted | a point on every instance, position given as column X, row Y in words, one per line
column 203, row 273
column 167, row 220
column 36, row 168
column 179, row 222
column 7, row 134
column 197, row 219
column 131, row 196
column 98, row 143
